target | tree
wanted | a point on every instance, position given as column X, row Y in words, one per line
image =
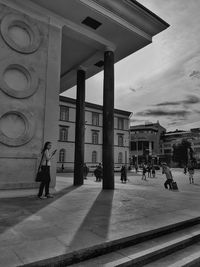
column 182, row 153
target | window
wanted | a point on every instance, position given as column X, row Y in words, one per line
column 133, row 146
column 64, row 113
column 94, row 157
column 167, row 151
column 120, row 123
column 120, row 140
column 120, row 157
column 62, row 155
column 152, row 145
column 167, row 145
column 63, row 133
column 140, row 145
column 95, row 138
column 95, row 119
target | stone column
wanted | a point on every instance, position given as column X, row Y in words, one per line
column 108, row 121
column 80, row 128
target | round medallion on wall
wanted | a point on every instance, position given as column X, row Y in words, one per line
column 16, row 127
column 18, row 80
column 20, row 33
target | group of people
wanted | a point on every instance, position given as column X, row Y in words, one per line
column 150, row 170
column 98, row 172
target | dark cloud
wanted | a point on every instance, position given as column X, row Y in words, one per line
column 195, row 74
column 136, row 120
column 191, row 99
column 172, row 123
column 168, row 103
column 132, row 89
column 160, row 112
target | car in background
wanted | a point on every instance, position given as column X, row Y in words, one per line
column 117, row 168
column 93, row 167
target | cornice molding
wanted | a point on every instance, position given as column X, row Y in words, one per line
column 107, row 13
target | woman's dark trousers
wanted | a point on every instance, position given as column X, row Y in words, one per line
column 45, row 181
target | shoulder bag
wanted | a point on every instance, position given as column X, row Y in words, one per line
column 39, row 174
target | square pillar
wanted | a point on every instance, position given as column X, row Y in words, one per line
column 108, row 121
column 80, row 129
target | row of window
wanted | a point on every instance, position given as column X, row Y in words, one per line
column 64, row 116
column 63, row 136
column 62, row 155
column 141, row 145
column 143, row 131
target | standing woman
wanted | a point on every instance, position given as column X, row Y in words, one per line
column 45, row 167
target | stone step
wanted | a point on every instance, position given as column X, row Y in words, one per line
column 187, row 257
column 168, row 238
column 150, row 251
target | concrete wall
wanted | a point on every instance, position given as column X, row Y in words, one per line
column 30, row 47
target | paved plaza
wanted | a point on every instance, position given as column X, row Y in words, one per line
column 80, row 217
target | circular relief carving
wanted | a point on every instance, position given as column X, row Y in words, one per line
column 19, row 81
column 20, row 36
column 16, row 79
column 16, row 128
column 12, row 125
column 20, row 33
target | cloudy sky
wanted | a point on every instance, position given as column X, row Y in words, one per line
column 160, row 82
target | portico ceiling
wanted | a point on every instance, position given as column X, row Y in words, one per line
column 123, row 26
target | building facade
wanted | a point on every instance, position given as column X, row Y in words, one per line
column 151, row 141
column 145, row 142
column 93, row 135
column 169, row 139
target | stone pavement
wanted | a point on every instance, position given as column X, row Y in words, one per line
column 79, row 217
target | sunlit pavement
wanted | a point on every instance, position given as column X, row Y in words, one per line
column 157, row 182
column 79, row 217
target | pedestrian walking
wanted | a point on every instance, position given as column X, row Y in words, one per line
column 169, row 177
column 191, row 173
column 45, row 167
column 85, row 171
column 98, row 172
column 144, row 170
column 136, row 168
column 153, row 170
column 185, row 169
column 123, row 174
column 62, row 167
column 149, row 170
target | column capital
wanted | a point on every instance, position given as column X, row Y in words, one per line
column 82, row 68
column 110, row 49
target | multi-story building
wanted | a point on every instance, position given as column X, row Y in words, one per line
column 145, row 142
column 93, row 134
column 151, row 141
column 170, row 139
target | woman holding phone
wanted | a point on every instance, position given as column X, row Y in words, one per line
column 45, row 167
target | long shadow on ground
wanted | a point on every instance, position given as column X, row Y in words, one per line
column 15, row 210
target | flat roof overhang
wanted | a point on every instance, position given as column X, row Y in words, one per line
column 122, row 26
